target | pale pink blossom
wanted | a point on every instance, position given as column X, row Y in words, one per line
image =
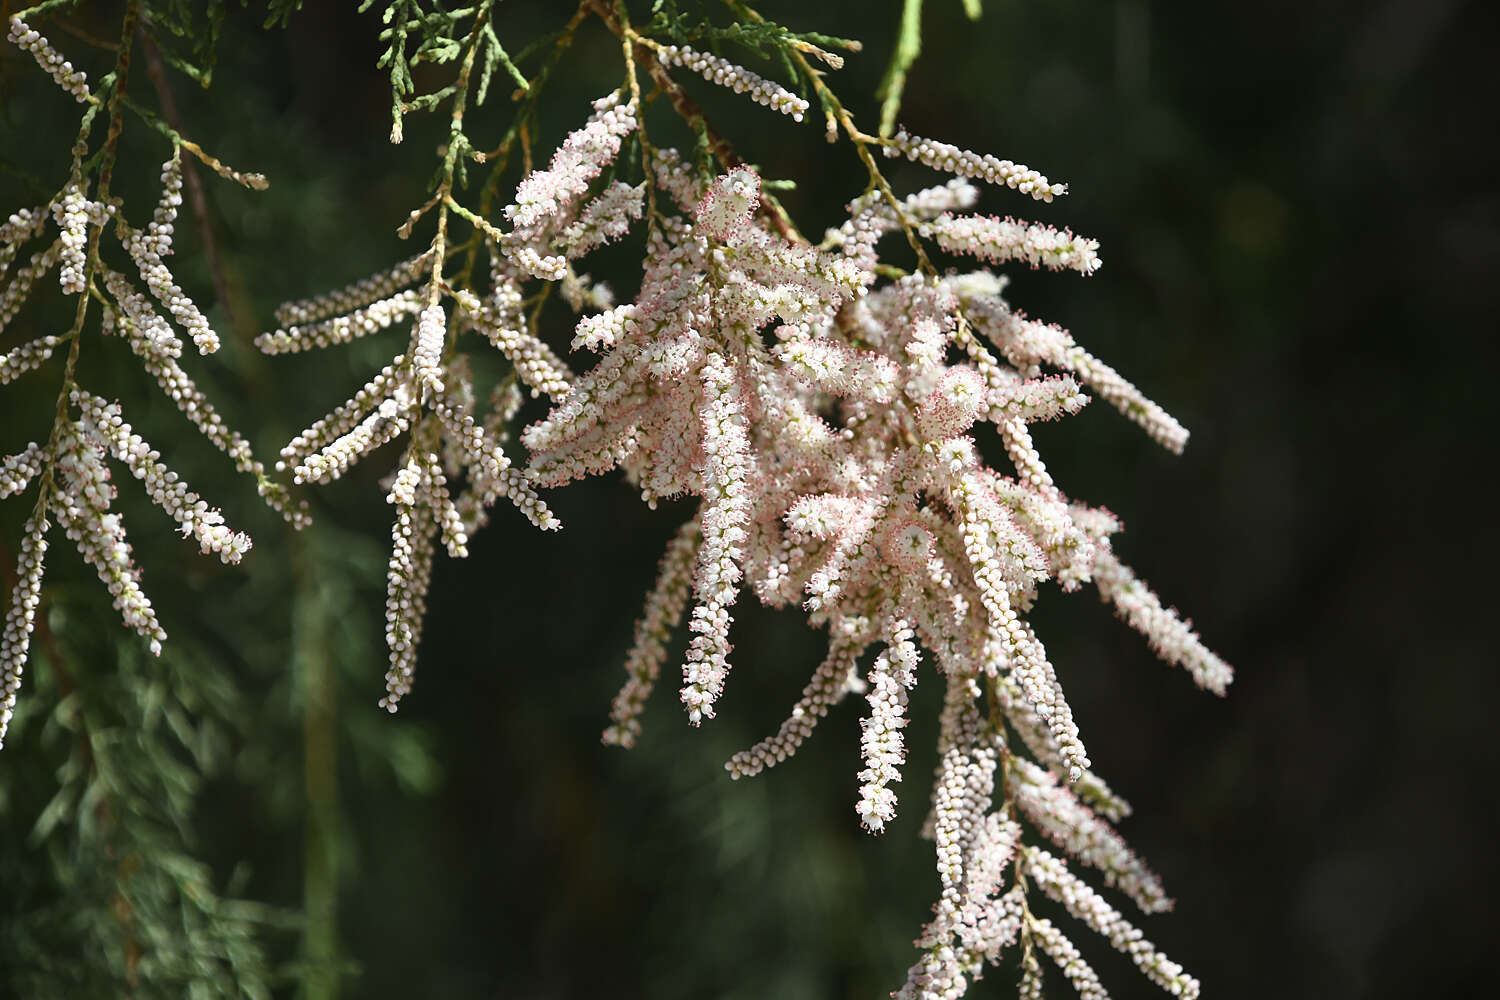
column 20, row 617
column 14, row 294
column 1000, row 240
column 951, row 159
column 382, row 285
column 1053, row 877
column 102, row 423
column 72, row 81
column 735, row 78
column 32, row 354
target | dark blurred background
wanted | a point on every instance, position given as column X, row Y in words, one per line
column 1298, row 212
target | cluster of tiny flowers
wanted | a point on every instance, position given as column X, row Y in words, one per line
column 132, row 313
column 676, row 179
column 848, row 371
column 22, row 225
column 581, row 158
column 546, row 207
column 72, row 468
column 827, row 425
column 953, row 160
column 407, row 579
column 20, row 617
column 1031, row 400
column 389, row 419
column 726, row 210
column 72, row 81
column 148, row 247
column 20, row 360
column 953, row 405
column 605, row 218
column 428, row 391
column 74, row 214
column 1053, row 877
column 427, row 347
column 736, row 78
column 882, row 745
column 726, row 513
column 164, row 487
column 600, row 331
column 17, row 471
column 342, row 329
column 157, row 238
column 1001, row 240
column 98, row 533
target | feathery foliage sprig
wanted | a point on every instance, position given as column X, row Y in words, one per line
column 137, row 739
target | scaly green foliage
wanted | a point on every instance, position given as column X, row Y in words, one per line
column 108, row 896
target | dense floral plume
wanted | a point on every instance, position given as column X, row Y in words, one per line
column 832, row 413
column 831, row 425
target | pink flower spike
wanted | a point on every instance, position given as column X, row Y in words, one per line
column 724, row 213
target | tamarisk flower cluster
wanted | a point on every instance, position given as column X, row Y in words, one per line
column 427, row 391
column 70, row 468
column 429, row 394
column 76, row 490
column 827, row 409
column 549, row 208
column 828, row 425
